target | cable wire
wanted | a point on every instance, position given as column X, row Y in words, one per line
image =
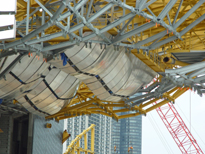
column 190, row 113
column 161, row 137
column 192, row 126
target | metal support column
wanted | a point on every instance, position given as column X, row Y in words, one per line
column 27, row 18
column 92, row 139
column 85, row 143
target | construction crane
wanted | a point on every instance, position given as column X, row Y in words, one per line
column 178, row 129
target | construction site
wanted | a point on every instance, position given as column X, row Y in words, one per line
column 102, row 76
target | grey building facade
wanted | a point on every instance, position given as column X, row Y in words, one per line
column 26, row 133
column 47, row 140
column 127, row 133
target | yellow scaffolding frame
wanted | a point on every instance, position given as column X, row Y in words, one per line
column 86, row 103
column 75, row 144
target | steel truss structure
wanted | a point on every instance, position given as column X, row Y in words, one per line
column 155, row 31
column 54, row 25
column 86, row 103
column 47, row 27
column 51, row 26
column 178, row 129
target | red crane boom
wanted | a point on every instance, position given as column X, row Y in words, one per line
column 178, row 129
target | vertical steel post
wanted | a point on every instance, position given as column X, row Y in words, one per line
column 85, row 143
column 68, row 23
column 42, row 23
column 81, row 29
column 78, row 147
column 92, row 139
column 27, row 18
column 89, row 9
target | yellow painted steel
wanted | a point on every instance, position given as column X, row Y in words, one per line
column 15, row 101
column 92, row 139
column 85, row 103
column 151, row 60
column 65, row 136
column 75, row 144
column 92, row 105
column 85, row 143
column 194, row 39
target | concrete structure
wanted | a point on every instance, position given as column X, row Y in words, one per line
column 13, row 122
column 102, row 131
column 47, row 140
column 25, row 133
column 5, row 136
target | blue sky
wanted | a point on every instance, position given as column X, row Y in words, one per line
column 152, row 143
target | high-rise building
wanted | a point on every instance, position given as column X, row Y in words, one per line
column 127, row 133
column 103, row 131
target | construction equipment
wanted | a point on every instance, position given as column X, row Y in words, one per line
column 178, row 129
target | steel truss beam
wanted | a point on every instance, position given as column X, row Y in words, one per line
column 46, row 25
column 57, row 26
column 81, row 105
column 57, row 17
column 163, row 33
column 157, row 20
column 197, row 21
column 190, row 77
